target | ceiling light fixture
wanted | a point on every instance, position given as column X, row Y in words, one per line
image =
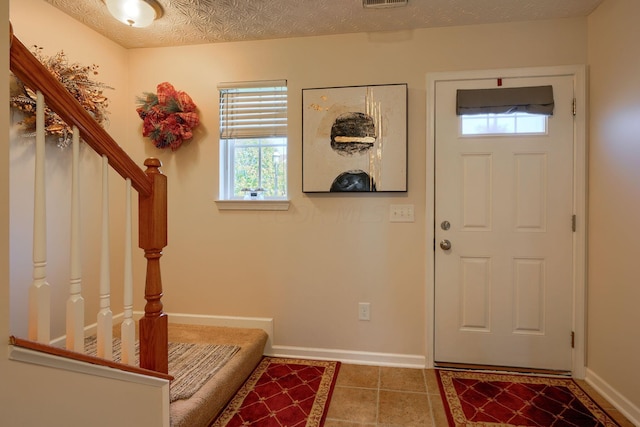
column 135, row 13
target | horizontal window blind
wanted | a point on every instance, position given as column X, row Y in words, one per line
column 253, row 109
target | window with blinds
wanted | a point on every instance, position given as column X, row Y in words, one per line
column 253, row 140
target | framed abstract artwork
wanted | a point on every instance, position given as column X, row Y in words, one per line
column 354, row 139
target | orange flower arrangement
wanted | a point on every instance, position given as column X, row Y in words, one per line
column 77, row 80
column 168, row 116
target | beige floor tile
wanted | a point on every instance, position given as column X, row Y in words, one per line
column 619, row 418
column 437, row 410
column 402, row 379
column 358, row 376
column 432, row 381
column 357, row 405
column 404, row 409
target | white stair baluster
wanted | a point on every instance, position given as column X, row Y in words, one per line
column 39, row 292
column 128, row 326
column 75, row 302
column 105, row 317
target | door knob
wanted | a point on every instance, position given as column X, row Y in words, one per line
column 445, row 245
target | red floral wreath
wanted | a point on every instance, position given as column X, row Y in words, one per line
column 168, row 117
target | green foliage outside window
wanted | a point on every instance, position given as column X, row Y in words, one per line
column 260, row 163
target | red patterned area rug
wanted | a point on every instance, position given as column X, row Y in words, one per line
column 283, row 393
column 482, row 399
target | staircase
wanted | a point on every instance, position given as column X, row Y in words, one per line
column 153, row 331
column 212, row 397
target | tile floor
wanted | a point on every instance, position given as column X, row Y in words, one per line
column 397, row 397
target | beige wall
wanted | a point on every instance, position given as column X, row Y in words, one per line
column 4, row 198
column 309, row 267
column 306, row 268
column 614, row 206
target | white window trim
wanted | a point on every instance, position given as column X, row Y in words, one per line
column 225, row 200
column 253, row 205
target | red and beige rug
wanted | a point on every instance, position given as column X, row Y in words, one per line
column 482, row 399
column 283, row 393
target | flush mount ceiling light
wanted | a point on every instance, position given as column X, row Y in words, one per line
column 135, row 13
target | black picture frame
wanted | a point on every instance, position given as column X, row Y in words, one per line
column 354, row 139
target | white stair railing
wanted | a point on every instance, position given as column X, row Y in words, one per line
column 105, row 316
column 40, row 291
column 128, row 326
column 75, row 302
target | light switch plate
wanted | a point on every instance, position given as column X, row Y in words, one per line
column 401, row 213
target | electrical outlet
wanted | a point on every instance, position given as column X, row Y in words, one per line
column 364, row 311
column 401, row 213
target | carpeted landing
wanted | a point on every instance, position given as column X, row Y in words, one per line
column 205, row 404
column 474, row 398
column 208, row 363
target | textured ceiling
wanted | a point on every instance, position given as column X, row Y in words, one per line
column 210, row 21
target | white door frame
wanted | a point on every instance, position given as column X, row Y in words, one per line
column 578, row 72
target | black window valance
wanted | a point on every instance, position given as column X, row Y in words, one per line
column 532, row 100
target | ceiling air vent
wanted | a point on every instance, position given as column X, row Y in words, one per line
column 378, row 4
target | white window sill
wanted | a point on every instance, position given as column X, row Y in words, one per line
column 253, row 205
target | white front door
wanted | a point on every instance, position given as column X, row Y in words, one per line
column 504, row 290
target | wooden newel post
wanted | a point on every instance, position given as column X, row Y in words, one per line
column 152, row 239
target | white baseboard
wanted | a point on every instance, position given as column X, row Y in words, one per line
column 264, row 323
column 621, row 403
column 349, row 356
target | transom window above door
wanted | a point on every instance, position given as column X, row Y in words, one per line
column 503, row 124
column 504, row 111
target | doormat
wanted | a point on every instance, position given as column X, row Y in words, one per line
column 283, row 392
column 481, row 399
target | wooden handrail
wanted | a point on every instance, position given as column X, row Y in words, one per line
column 32, row 73
column 56, row 351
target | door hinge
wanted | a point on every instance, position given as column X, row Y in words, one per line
column 574, row 108
column 573, row 223
column 573, row 339
column 434, row 244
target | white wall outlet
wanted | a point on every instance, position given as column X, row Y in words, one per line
column 401, row 213
column 364, row 311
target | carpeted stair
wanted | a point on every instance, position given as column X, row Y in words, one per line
column 200, row 409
